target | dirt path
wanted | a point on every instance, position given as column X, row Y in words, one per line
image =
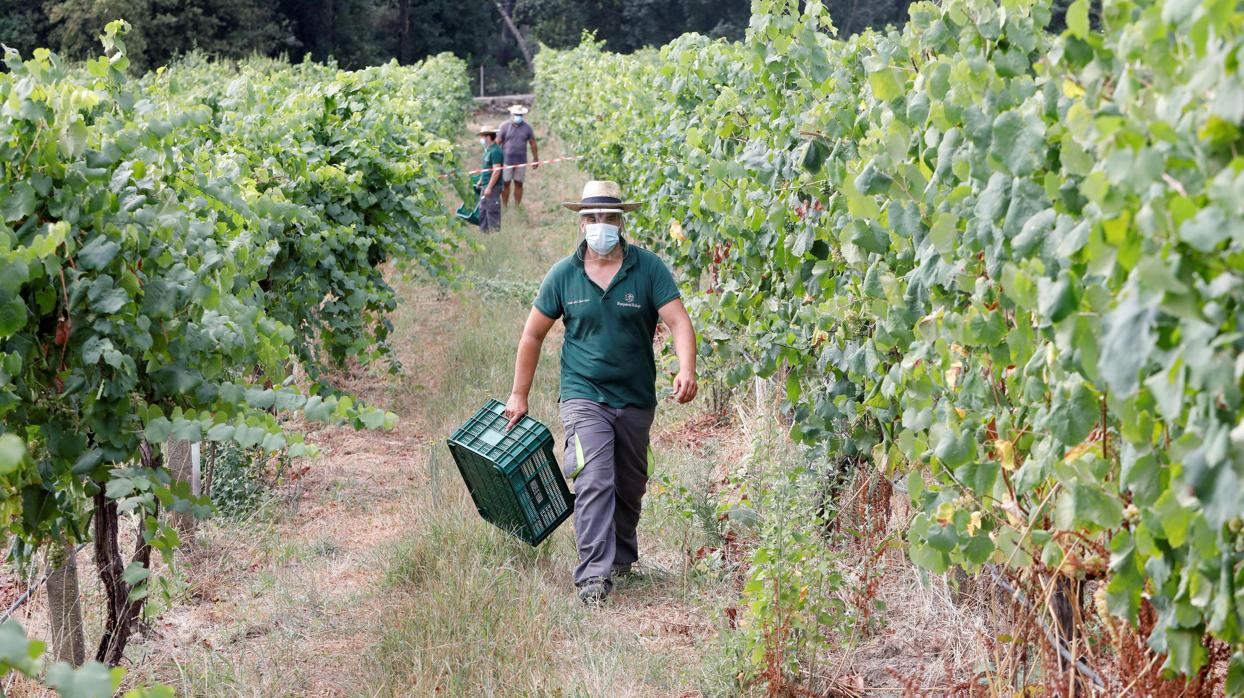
column 373, row 574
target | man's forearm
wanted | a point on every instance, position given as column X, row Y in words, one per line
column 525, row 365
column 684, row 346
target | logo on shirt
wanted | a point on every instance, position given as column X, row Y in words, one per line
column 628, row 301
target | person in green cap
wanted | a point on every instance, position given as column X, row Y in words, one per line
column 489, row 182
column 609, row 294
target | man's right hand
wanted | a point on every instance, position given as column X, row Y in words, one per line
column 515, row 408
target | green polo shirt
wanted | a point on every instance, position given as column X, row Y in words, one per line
column 607, row 351
column 492, row 158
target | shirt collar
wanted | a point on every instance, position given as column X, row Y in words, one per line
column 628, row 254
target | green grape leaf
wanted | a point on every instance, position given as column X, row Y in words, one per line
column 1077, row 19
column 1018, row 142
column 17, row 201
column 97, row 253
column 814, row 154
column 1129, row 341
column 13, row 314
column 1187, row 652
column 1057, row 299
column 1206, row 230
column 955, row 449
column 17, row 651
column 1073, row 414
column 92, row 680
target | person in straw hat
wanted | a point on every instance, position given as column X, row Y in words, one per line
column 514, row 135
column 489, row 182
column 609, row 295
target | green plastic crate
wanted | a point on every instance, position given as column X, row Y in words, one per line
column 512, row 475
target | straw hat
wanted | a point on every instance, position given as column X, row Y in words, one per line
column 487, row 131
column 602, row 195
column 518, row 109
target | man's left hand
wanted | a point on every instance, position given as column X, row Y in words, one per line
column 535, row 166
column 685, row 387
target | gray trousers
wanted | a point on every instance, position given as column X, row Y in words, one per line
column 609, row 481
column 490, row 210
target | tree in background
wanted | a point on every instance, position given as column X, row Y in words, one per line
column 626, row 25
column 163, row 29
column 23, row 27
column 358, row 33
column 74, row 26
column 353, row 32
column 469, row 29
column 854, row 16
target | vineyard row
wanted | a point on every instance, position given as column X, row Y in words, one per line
column 174, row 246
column 1002, row 263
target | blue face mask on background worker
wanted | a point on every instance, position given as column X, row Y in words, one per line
column 518, row 118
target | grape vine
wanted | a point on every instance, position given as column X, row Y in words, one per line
column 1000, row 262
column 173, row 246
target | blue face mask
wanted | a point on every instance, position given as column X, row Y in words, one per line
column 601, row 237
column 518, row 118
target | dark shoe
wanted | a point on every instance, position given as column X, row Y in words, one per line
column 595, row 590
column 625, row 570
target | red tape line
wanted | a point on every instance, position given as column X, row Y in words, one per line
column 525, row 164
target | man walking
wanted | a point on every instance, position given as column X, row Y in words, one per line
column 609, row 294
column 514, row 135
column 489, row 182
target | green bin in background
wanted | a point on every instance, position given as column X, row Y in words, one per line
column 470, row 215
column 512, row 475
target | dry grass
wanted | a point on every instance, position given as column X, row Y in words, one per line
column 476, row 613
column 926, row 637
column 285, row 609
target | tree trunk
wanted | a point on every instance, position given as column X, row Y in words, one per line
column 509, row 24
column 330, row 16
column 1066, row 604
column 403, row 31
column 846, row 31
column 209, row 469
column 122, row 611
column 65, row 605
column 178, row 457
column 507, row 7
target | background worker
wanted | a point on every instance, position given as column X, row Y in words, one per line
column 490, row 181
column 609, row 295
column 514, row 135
